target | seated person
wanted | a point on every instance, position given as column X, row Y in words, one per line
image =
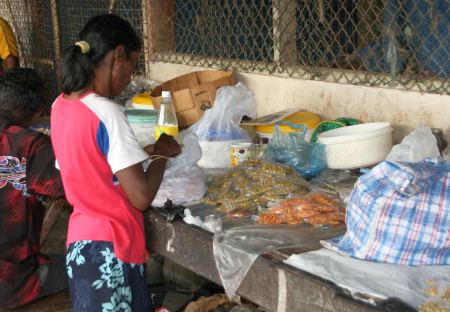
column 9, row 53
column 27, row 176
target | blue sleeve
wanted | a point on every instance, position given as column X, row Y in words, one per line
column 103, row 139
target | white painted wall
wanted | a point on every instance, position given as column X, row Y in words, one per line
column 403, row 109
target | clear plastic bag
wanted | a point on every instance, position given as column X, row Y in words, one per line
column 211, row 222
column 183, row 181
column 416, row 146
column 135, row 87
column 292, row 149
column 236, row 249
column 219, row 126
column 336, row 182
column 315, row 208
column 253, row 184
column 446, row 151
column 221, row 122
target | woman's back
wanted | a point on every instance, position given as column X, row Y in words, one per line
column 92, row 141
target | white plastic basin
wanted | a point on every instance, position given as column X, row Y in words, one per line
column 357, row 146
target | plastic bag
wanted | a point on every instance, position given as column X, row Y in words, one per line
column 336, row 182
column 416, row 146
column 446, row 151
column 135, row 87
column 183, row 181
column 292, row 149
column 315, row 208
column 399, row 213
column 211, row 223
column 171, row 211
column 236, row 249
column 219, row 126
column 253, row 184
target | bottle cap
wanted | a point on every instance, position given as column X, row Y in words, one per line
column 165, row 94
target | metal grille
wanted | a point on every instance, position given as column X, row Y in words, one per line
column 32, row 22
column 394, row 43
column 34, row 38
column 75, row 13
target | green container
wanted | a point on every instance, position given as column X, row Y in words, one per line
column 141, row 116
column 143, row 122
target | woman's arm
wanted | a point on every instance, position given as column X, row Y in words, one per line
column 141, row 187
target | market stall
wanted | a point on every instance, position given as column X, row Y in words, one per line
column 258, row 214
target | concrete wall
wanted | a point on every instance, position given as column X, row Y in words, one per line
column 403, row 109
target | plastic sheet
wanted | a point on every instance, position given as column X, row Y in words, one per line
column 372, row 282
column 292, row 149
column 183, row 181
column 237, row 248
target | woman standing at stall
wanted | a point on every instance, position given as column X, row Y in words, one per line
column 101, row 166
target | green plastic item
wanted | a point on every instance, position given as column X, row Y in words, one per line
column 332, row 124
column 141, row 116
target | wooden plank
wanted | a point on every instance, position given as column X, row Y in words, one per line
column 50, row 217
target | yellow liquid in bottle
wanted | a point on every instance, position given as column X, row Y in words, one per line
column 167, row 129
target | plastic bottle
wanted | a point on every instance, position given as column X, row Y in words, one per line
column 167, row 119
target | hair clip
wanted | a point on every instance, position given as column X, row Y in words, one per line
column 84, row 46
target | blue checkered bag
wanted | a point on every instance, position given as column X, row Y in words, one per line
column 399, row 213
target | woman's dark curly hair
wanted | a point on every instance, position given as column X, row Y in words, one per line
column 22, row 92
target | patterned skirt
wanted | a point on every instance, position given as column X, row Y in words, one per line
column 98, row 281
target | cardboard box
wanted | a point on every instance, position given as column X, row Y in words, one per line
column 193, row 93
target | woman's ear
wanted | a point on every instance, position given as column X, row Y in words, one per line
column 119, row 55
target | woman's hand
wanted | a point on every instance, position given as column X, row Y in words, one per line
column 141, row 187
column 150, row 149
column 167, row 146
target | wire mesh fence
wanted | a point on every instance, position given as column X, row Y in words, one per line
column 33, row 23
column 34, row 38
column 393, row 43
column 74, row 14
